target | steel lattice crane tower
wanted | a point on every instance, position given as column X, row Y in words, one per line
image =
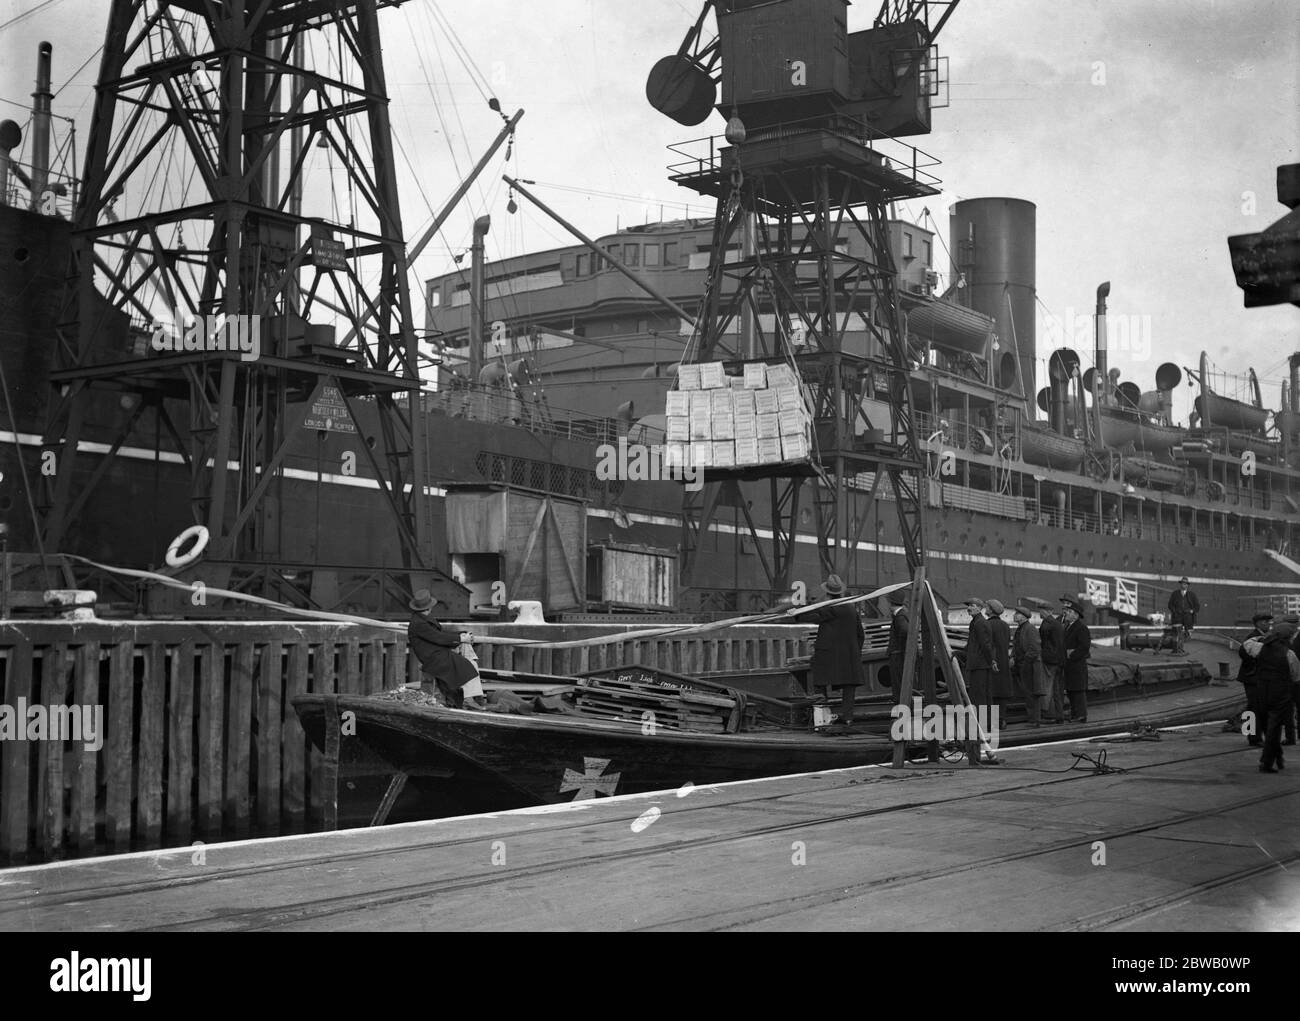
column 227, row 97
column 806, row 162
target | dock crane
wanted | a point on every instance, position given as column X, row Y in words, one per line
column 812, row 152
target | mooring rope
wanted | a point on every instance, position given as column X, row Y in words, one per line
column 677, row 630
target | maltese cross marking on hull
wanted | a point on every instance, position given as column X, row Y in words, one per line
column 591, row 782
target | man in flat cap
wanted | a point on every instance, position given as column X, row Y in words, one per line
column 1052, row 632
column 1076, row 649
column 1183, row 607
column 980, row 656
column 1002, row 680
column 1027, row 651
column 1248, row 674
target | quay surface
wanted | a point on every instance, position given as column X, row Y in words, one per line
column 1185, row 835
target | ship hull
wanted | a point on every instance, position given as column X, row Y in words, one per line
column 465, row 762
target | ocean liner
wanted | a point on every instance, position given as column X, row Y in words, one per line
column 1084, row 484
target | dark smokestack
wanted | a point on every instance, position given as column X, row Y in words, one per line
column 41, row 100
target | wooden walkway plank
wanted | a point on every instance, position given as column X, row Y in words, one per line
column 372, row 667
column 85, row 771
column 322, row 680
column 16, row 756
column 294, row 753
column 270, row 699
column 119, row 765
column 239, row 740
column 153, row 726
column 212, row 726
column 51, row 818
column 180, row 745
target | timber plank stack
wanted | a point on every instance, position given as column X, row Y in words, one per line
column 674, row 707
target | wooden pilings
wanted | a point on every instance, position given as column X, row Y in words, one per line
column 118, row 736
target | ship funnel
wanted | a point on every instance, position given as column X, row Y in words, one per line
column 11, row 135
column 1099, row 328
column 41, row 102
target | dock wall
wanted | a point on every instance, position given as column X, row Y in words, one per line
column 196, row 738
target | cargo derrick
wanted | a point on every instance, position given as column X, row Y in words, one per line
column 223, row 95
column 813, row 113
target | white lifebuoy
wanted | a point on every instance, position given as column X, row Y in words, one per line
column 195, row 532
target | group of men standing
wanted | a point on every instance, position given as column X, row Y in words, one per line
column 1040, row 665
column 1270, row 673
column 1043, row 666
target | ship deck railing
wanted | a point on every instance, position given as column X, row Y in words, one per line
column 58, row 198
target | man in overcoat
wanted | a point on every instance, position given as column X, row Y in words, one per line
column 1183, row 606
column 980, row 657
column 900, row 627
column 1027, row 654
column 1003, row 680
column 837, row 652
column 1278, row 669
column 1052, row 633
column 435, row 647
column 1263, row 622
column 1076, row 650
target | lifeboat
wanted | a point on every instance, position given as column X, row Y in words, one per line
column 1120, row 428
column 1040, row 445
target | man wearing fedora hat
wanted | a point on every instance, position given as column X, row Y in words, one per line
column 443, row 667
column 1183, row 606
column 1075, row 650
column 837, row 652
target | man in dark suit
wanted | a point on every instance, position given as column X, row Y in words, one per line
column 1003, row 682
column 899, row 630
column 1183, row 606
column 1052, row 633
column 435, row 647
column 1027, row 652
column 837, row 652
column 979, row 654
column 1277, row 670
column 1248, row 675
column 1076, row 650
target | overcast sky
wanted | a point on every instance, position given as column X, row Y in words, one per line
column 1146, row 131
